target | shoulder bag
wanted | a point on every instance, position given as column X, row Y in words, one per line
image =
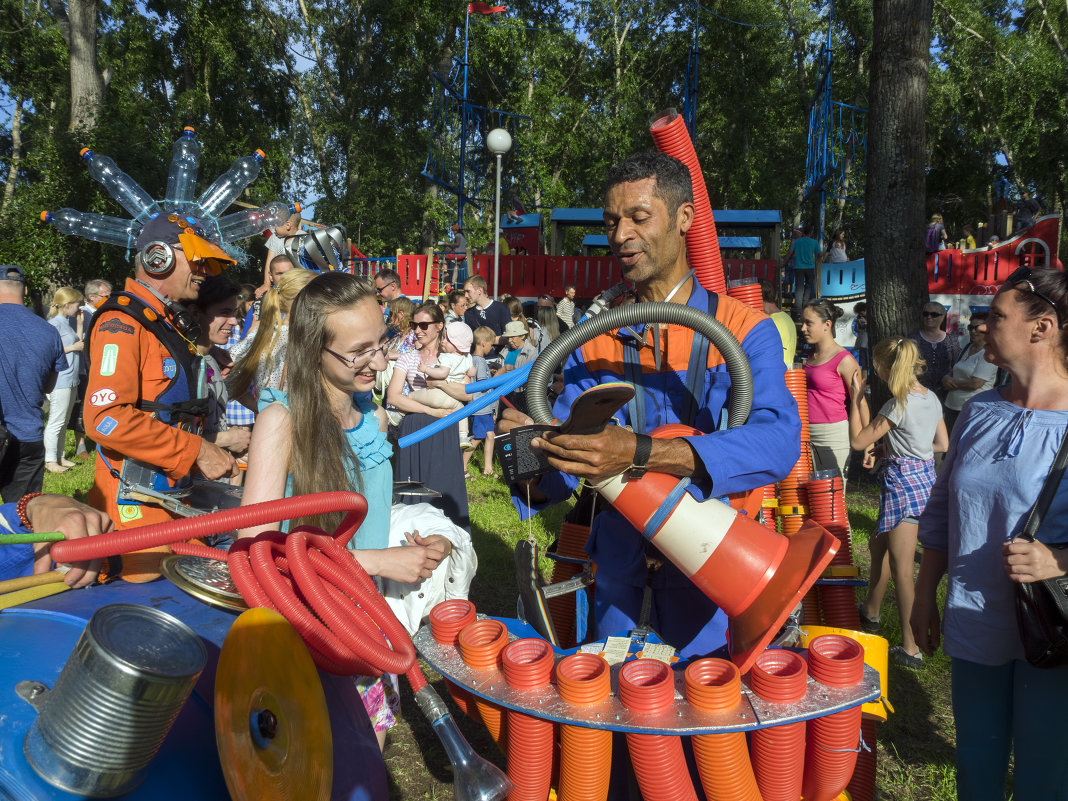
column 1042, row 606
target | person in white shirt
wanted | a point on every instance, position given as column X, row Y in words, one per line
column 971, row 373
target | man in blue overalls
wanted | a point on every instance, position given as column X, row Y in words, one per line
column 648, row 210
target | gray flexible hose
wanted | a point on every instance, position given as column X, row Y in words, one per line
column 554, row 355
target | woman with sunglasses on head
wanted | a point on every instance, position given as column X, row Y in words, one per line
column 436, row 460
column 323, row 433
column 938, row 349
column 999, row 456
column 971, row 373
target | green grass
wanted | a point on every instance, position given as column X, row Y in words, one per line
column 916, row 744
column 76, row 481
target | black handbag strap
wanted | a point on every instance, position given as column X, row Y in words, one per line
column 1049, row 489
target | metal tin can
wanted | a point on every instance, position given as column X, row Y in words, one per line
column 114, row 701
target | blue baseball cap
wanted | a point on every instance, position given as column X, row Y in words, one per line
column 11, row 272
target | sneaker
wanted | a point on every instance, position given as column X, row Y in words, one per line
column 868, row 624
column 466, row 444
column 899, row 657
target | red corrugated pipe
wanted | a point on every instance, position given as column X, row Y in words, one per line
column 831, row 753
column 585, row 754
column 446, row 620
column 669, row 133
column 715, row 685
column 748, row 291
column 562, row 607
column 352, row 631
column 480, row 646
column 528, row 666
column 778, row 753
column 862, row 782
column 645, row 686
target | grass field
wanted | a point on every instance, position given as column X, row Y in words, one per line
column 915, row 746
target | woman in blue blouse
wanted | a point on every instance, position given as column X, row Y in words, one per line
column 999, row 454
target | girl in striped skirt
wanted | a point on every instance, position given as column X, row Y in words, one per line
column 911, row 427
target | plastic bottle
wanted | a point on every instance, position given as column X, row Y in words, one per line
column 228, row 186
column 249, row 222
column 182, row 179
column 98, row 227
column 130, row 195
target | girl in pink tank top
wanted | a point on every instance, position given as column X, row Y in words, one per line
column 829, row 371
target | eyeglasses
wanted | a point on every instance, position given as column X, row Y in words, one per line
column 974, row 327
column 1022, row 275
column 422, row 326
column 380, row 289
column 933, row 314
column 362, row 359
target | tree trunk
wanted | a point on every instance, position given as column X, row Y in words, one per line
column 77, row 23
column 16, row 155
column 895, row 194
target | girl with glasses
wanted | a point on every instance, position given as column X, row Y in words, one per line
column 323, row 433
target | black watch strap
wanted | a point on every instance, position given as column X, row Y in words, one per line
column 643, row 448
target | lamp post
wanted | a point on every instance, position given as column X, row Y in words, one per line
column 498, row 142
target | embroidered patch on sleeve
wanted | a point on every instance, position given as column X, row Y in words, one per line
column 102, row 397
column 109, row 359
column 107, row 425
column 114, row 326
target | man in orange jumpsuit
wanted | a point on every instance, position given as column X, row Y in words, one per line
column 146, row 395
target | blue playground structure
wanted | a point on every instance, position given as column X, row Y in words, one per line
column 457, row 159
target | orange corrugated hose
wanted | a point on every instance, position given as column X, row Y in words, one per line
column 480, row 646
column 747, row 290
column 528, row 666
column 831, row 754
column 447, row 619
column 770, row 507
column 778, row 753
column 572, row 544
column 862, row 782
column 792, row 497
column 715, row 685
column 585, row 754
column 702, row 245
column 826, row 499
column 646, row 685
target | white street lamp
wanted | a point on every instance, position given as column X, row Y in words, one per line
column 498, row 142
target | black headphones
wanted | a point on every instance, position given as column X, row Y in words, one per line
column 157, row 259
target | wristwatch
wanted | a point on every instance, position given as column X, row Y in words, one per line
column 643, row 448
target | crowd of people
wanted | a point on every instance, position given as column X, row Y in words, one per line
column 314, row 378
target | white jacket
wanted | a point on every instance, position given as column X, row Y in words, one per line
column 412, row 602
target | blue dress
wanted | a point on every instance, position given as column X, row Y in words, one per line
column 372, row 452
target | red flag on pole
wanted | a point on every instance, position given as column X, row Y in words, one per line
column 483, row 8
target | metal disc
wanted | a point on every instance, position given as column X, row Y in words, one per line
column 414, row 488
column 207, row 580
column 272, row 727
